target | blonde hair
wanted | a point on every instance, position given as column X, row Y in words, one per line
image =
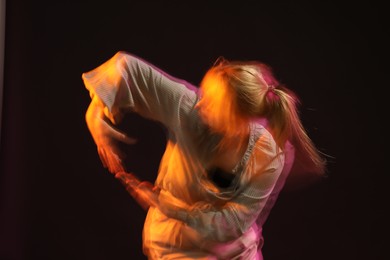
column 257, row 93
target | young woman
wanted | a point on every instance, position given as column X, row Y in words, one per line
column 230, row 145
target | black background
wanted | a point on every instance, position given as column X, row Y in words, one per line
column 58, row 202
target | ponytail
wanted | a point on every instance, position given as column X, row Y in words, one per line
column 257, row 93
column 280, row 107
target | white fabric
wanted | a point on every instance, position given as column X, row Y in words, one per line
column 209, row 219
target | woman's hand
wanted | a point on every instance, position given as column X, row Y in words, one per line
column 148, row 195
column 144, row 192
column 171, row 206
column 105, row 137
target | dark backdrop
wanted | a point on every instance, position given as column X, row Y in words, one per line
column 58, row 202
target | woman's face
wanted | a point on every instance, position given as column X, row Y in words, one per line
column 208, row 113
column 213, row 103
column 216, row 104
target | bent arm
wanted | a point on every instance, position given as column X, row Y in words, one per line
column 232, row 219
column 127, row 83
column 105, row 136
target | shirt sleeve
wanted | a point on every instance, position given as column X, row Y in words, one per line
column 128, row 83
column 232, row 219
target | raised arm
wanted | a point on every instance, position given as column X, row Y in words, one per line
column 126, row 83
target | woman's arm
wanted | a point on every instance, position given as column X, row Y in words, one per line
column 229, row 221
column 128, row 83
column 105, row 136
column 143, row 192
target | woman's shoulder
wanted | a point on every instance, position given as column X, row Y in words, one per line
column 263, row 139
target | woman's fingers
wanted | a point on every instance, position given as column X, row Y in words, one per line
column 114, row 162
column 126, row 139
column 102, row 156
column 110, row 160
column 121, row 136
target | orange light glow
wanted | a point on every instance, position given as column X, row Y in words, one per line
column 218, row 106
column 97, row 80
